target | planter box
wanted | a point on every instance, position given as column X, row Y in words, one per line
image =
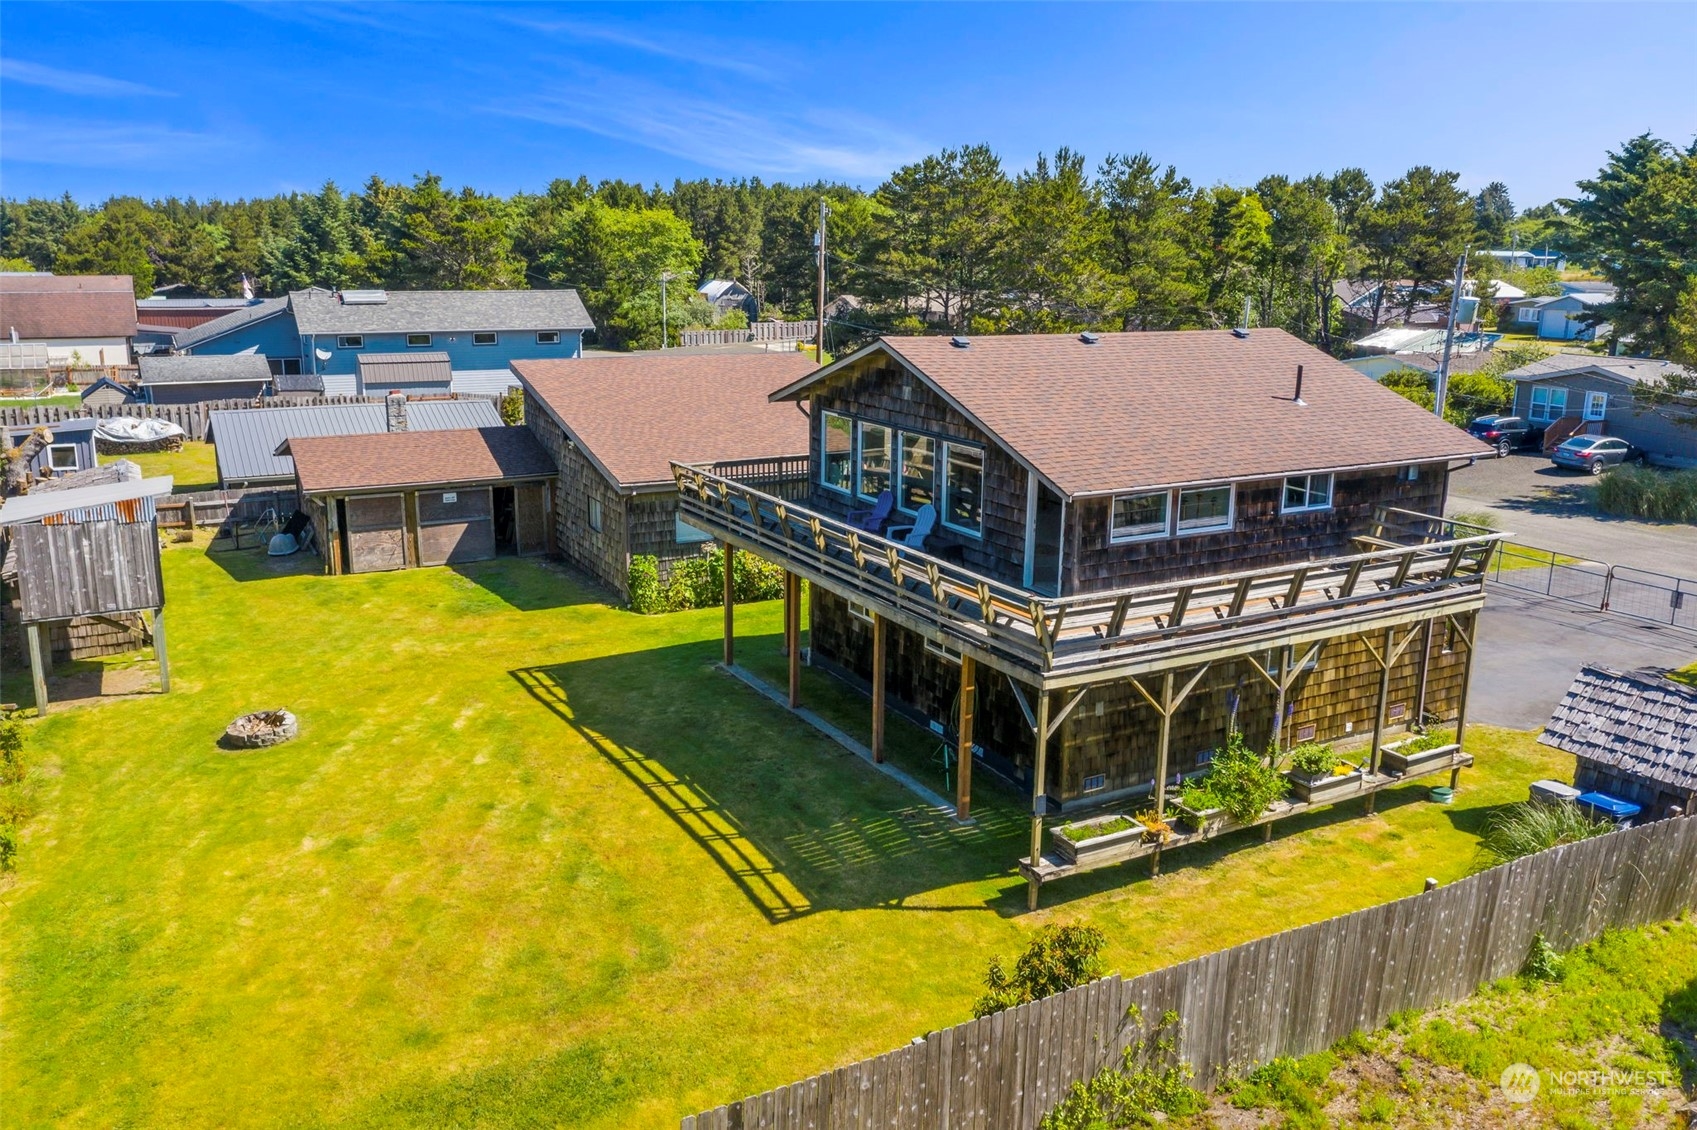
column 1325, row 788
column 1082, row 852
column 1205, row 820
column 1392, row 760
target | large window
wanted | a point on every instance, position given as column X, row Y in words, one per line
column 284, row 366
column 1526, row 314
column 1548, row 403
column 919, row 465
column 963, row 488
column 1138, row 516
column 874, row 461
column 1307, row 492
column 1204, row 509
column 836, row 463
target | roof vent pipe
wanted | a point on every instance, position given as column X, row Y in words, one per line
column 1089, row 338
column 1240, row 333
column 1298, row 398
column 960, row 342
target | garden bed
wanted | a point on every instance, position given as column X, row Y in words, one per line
column 1413, row 754
column 1323, row 788
column 1084, row 840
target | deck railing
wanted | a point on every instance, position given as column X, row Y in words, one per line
column 1413, row 564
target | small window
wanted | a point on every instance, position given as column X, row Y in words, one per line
column 351, row 341
column 1204, row 510
column 483, row 337
column 963, row 488
column 595, row 514
column 1307, row 492
column 1138, row 516
column 836, row 463
column 63, row 457
column 1548, row 403
column 1527, row 314
column 284, row 366
column 418, row 341
column 860, row 611
column 1596, row 405
column 943, row 651
column 1095, row 783
column 919, row 466
column 547, row 337
column 874, row 461
column 688, row 534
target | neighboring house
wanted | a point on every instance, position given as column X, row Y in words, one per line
column 192, row 379
column 614, row 423
column 1599, row 395
column 186, row 313
column 1556, row 317
column 263, row 326
column 1367, row 306
column 246, row 439
column 77, row 319
column 1195, row 511
column 401, row 500
column 727, row 295
column 71, row 447
column 1525, row 260
column 415, row 374
column 1634, row 736
column 107, row 393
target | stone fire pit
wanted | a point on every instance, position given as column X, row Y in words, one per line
column 260, row 729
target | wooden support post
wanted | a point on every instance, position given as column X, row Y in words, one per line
column 1278, row 743
column 1039, row 795
column 792, row 634
column 1384, row 658
column 880, row 645
column 963, row 728
column 1471, row 636
column 730, row 606
column 160, row 651
column 1162, row 751
column 37, row 668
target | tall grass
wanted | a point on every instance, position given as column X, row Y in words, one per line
column 1522, row 829
column 1645, row 492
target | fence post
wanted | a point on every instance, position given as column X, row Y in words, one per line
column 1608, row 584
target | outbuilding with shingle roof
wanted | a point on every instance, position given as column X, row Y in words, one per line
column 1634, row 735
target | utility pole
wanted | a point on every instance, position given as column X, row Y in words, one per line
column 1443, row 388
column 819, row 341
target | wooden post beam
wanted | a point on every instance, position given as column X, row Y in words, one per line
column 963, row 729
column 730, row 605
column 160, row 651
column 1385, row 662
column 1161, row 752
column 1466, row 682
column 880, row 646
column 37, row 668
column 1039, row 796
column 792, row 634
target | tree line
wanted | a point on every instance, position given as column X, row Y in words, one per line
column 950, row 243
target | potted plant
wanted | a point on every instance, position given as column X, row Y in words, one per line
column 1418, row 751
column 1318, row 776
column 1198, row 807
column 1084, row 839
column 1155, row 830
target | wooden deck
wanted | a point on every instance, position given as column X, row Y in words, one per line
column 1051, row 867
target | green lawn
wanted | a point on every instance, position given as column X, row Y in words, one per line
column 66, row 400
column 194, row 468
column 533, row 861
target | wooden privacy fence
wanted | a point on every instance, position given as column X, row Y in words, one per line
column 190, row 417
column 1292, row 993
column 221, row 507
column 759, row 331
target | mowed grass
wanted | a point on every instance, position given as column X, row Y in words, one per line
column 533, row 861
column 194, row 468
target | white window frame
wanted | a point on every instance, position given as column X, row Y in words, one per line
column 1601, row 400
column 687, row 534
column 547, row 337
column 1526, row 314
column 943, row 651
column 860, row 611
column 1307, row 489
column 1166, row 496
column 494, row 338
column 860, row 427
column 351, row 341
column 1553, row 395
column 899, row 474
column 596, row 518
column 53, row 450
column 1230, row 523
column 414, row 343
column 825, row 453
column 948, row 447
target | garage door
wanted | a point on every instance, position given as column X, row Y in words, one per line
column 377, row 536
column 455, row 526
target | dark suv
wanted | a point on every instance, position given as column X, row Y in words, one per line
column 1506, row 433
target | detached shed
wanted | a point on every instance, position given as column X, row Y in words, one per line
column 191, row 380
column 86, row 552
column 405, row 499
column 1634, row 735
column 416, row 374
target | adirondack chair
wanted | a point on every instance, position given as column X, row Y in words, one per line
column 872, row 520
column 915, row 536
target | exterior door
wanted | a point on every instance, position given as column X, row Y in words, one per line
column 530, row 505
column 455, row 526
column 377, row 533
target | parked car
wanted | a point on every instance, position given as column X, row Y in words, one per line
column 1507, row 433
column 1593, row 453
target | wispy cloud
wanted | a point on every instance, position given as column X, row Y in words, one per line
column 712, row 56
column 105, row 145
column 715, row 133
column 84, row 83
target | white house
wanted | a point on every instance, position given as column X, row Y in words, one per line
column 67, row 319
column 1557, row 317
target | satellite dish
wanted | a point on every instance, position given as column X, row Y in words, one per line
column 323, row 354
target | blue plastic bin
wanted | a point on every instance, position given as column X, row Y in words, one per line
column 1610, row 808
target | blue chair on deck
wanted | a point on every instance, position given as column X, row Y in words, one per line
column 872, row 521
column 915, row 536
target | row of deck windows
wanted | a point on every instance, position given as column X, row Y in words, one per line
column 1201, row 510
column 860, row 455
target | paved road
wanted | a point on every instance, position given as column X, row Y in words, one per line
column 1531, row 647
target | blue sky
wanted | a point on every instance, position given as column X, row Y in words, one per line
column 252, row 99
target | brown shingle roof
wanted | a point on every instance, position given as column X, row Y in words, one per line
column 1159, row 409
column 56, row 307
column 634, row 413
column 410, row 459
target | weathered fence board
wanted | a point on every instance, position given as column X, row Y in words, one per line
column 759, row 331
column 219, row 507
column 1291, row 993
column 87, row 569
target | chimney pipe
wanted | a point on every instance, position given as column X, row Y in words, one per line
column 1299, row 399
column 396, row 405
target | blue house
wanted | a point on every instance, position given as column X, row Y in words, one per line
column 320, row 335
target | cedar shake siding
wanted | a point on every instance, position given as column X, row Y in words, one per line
column 603, row 553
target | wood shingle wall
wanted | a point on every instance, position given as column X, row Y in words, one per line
column 604, row 553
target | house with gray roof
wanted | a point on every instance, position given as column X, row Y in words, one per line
column 1604, row 396
column 727, row 295
column 193, row 380
column 1634, row 735
column 1560, row 317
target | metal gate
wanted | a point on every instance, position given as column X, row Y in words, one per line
column 1656, row 597
column 1652, row 596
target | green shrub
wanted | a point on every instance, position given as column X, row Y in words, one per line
column 1649, row 493
column 1295, row 1086
column 1543, row 961
column 1238, row 780
column 1532, row 826
column 1058, row 958
column 644, row 585
column 1474, row 518
column 1082, row 833
column 1149, row 1079
column 1313, row 759
column 12, row 766
column 512, row 407
column 14, row 794
column 8, row 846
column 1420, row 743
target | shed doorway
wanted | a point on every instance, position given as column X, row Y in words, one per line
column 456, row 526
column 375, row 530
